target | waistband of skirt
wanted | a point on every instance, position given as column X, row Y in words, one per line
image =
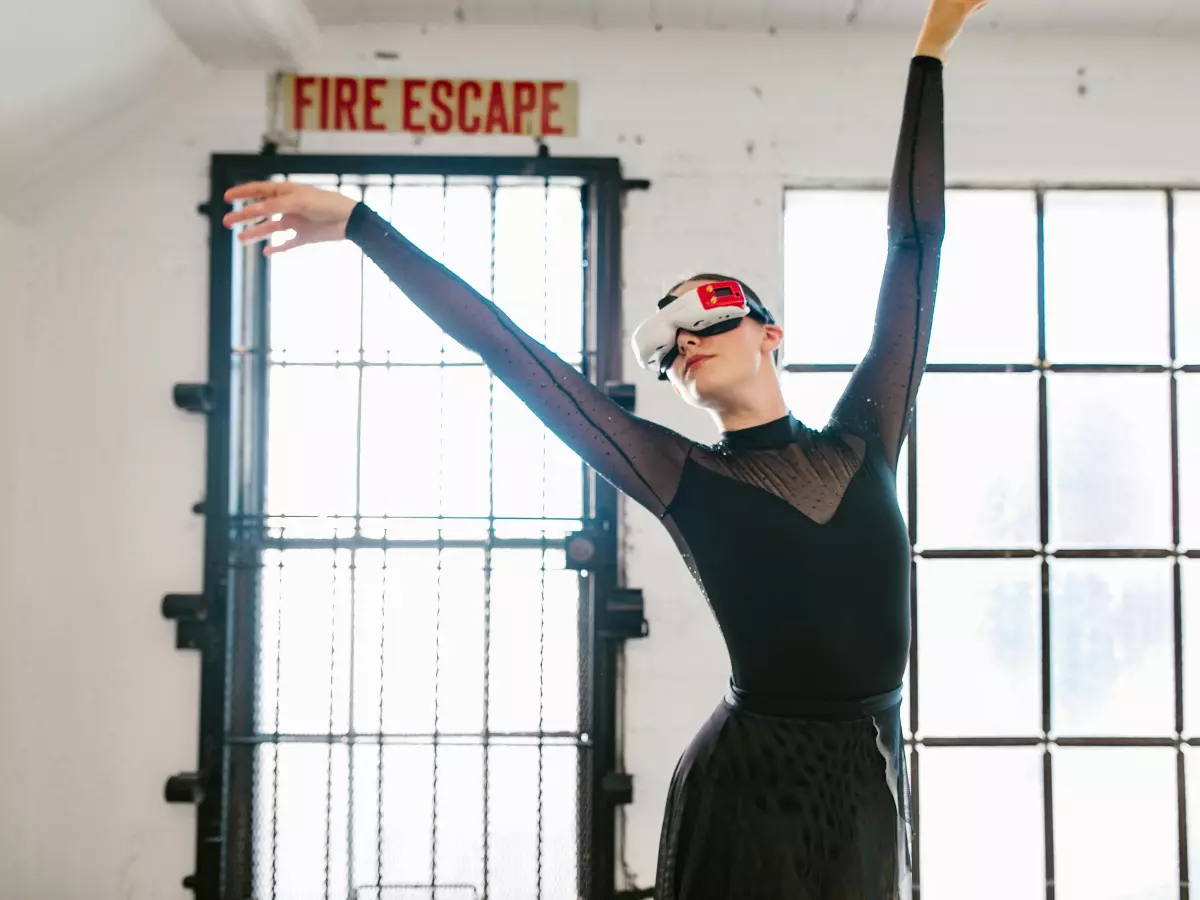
column 794, row 706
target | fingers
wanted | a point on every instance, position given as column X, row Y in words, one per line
column 266, row 229
column 262, row 209
column 291, row 244
column 255, row 189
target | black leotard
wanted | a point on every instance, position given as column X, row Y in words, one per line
column 793, row 534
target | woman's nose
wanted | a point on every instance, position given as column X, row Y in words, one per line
column 686, row 339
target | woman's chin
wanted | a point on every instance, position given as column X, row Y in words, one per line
column 702, row 391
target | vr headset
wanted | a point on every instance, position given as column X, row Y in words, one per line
column 709, row 309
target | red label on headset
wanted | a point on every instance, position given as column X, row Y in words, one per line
column 721, row 293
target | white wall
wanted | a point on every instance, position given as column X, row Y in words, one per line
column 104, row 308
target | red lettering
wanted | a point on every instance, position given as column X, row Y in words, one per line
column 439, row 121
column 372, row 103
column 346, row 92
column 524, row 101
column 300, row 100
column 411, row 103
column 468, row 124
column 550, row 106
column 497, row 113
column 324, row 103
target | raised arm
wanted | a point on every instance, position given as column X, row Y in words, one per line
column 879, row 399
column 641, row 459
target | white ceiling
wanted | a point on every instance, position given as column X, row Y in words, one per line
column 1140, row 16
column 80, row 76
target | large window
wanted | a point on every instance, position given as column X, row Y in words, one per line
column 1051, row 484
column 407, row 709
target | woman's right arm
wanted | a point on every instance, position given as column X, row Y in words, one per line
column 643, row 460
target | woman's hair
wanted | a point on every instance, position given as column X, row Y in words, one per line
column 713, row 276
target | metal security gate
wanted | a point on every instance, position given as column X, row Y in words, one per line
column 407, row 688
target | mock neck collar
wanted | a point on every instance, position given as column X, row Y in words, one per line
column 777, row 433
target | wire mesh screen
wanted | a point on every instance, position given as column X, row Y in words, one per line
column 417, row 723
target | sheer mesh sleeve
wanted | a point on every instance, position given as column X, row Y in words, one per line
column 879, row 398
column 643, row 460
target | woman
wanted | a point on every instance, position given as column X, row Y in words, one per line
column 795, row 788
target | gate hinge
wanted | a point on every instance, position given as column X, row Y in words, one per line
column 590, row 548
column 194, row 398
column 624, row 615
column 189, row 612
column 624, row 395
column 617, row 788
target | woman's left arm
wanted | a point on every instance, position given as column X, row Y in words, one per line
column 879, row 399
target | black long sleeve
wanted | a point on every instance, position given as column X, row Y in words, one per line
column 879, row 399
column 641, row 459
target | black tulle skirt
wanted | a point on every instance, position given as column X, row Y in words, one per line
column 782, row 805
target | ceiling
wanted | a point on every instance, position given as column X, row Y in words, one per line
column 1142, row 16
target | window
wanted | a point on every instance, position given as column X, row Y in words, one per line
column 408, row 706
column 1052, row 494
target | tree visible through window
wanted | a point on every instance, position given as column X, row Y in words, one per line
column 1053, row 698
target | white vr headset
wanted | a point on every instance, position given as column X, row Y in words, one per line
column 707, row 310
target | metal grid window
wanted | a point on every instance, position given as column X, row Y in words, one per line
column 408, row 705
column 1053, row 503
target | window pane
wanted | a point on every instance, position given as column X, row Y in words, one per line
column 1112, row 647
column 301, row 820
column 393, row 328
column 304, row 642
column 539, row 245
column 1115, row 824
column 978, row 458
column 1189, row 460
column 811, row 396
column 447, row 471
column 834, row 248
column 421, row 658
column 1110, row 453
column 1192, row 802
column 1190, row 573
column 533, row 657
column 1106, row 276
column 979, row 644
column 316, row 299
column 407, row 816
column 460, row 641
column 987, row 312
column 428, row 626
column 458, row 800
column 1187, row 276
column 541, row 476
column 982, row 824
column 518, row 779
column 311, row 460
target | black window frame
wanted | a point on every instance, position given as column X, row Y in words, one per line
column 221, row 786
column 1176, row 552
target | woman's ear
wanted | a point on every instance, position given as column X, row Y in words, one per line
column 772, row 337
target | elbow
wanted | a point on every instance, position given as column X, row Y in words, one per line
column 920, row 236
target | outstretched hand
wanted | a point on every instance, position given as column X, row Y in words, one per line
column 315, row 215
column 943, row 21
